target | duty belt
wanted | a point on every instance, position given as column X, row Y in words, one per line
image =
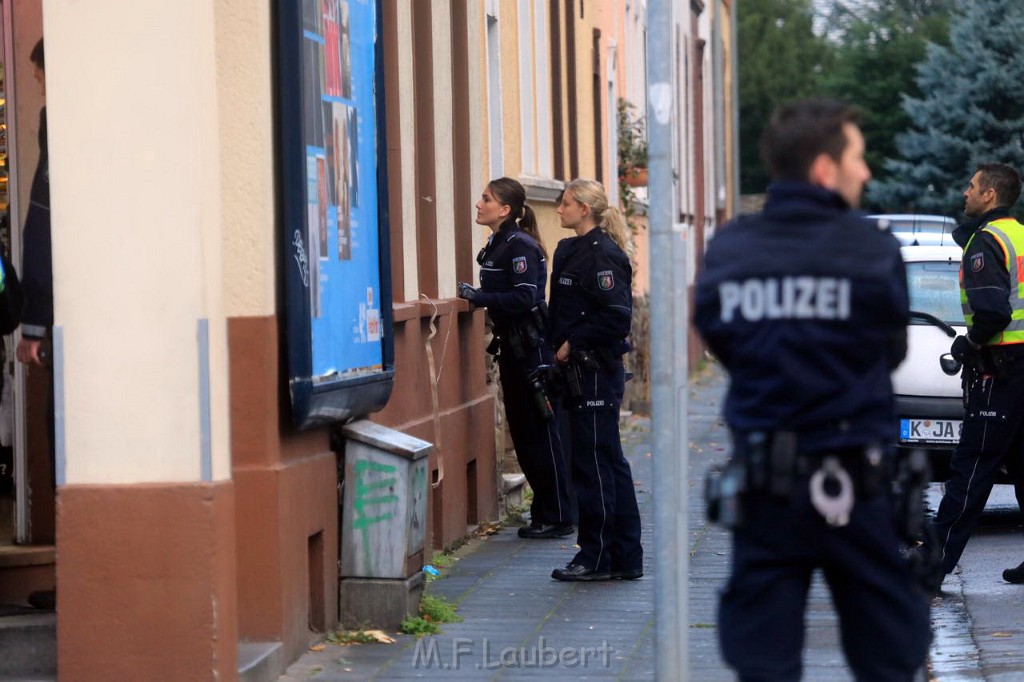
column 835, row 478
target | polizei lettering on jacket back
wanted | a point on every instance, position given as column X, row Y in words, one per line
column 786, row 298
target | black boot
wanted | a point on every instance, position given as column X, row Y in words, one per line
column 1014, row 575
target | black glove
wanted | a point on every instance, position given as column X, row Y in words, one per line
column 963, row 348
column 467, row 292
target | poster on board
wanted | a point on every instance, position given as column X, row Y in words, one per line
column 336, row 271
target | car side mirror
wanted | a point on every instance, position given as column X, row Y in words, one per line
column 949, row 364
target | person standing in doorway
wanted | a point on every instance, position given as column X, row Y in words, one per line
column 513, row 276
column 37, row 264
column 37, row 285
column 806, row 306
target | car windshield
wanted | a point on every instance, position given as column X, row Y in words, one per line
column 935, row 289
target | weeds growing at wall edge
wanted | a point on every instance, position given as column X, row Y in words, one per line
column 433, row 610
column 442, row 560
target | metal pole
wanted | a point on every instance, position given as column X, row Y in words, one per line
column 733, row 59
column 668, row 357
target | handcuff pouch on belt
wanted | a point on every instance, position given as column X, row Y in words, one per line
column 768, row 464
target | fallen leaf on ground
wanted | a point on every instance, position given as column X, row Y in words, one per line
column 317, row 647
column 1002, row 634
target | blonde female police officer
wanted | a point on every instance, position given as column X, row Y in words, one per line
column 806, row 306
column 513, row 275
column 591, row 313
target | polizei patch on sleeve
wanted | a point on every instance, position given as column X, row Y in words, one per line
column 605, row 280
column 519, row 265
column 977, row 262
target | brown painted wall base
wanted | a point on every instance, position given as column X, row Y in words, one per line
column 285, row 481
column 287, row 501
column 464, row 429
column 287, row 519
column 145, row 582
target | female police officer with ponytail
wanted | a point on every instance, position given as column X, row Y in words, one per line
column 513, row 275
column 591, row 314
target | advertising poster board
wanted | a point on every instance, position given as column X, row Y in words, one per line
column 334, row 209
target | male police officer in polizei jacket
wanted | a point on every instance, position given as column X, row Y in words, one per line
column 992, row 353
column 806, row 306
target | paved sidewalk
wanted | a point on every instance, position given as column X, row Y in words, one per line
column 518, row 623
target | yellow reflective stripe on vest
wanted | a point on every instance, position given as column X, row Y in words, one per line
column 1009, row 234
column 965, row 305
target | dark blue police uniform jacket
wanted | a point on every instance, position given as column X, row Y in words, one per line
column 37, row 266
column 592, row 307
column 806, row 306
column 513, row 273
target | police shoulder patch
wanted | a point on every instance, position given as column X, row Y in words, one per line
column 605, row 280
column 977, row 262
column 519, row 265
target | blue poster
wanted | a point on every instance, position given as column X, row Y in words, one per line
column 341, row 241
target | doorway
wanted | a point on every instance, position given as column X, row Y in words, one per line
column 26, row 490
column 13, row 502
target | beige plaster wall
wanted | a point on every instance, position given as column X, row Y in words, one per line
column 476, row 17
column 443, row 151
column 407, row 115
column 246, row 131
column 508, row 25
column 135, row 170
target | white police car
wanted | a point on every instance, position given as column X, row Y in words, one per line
column 918, row 229
column 929, row 403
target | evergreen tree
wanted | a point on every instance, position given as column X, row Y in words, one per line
column 879, row 46
column 780, row 59
column 970, row 111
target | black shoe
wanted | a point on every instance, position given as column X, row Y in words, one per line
column 44, row 600
column 578, row 573
column 627, row 574
column 546, row 530
column 1014, row 575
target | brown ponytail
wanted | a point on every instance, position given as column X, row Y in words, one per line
column 512, row 194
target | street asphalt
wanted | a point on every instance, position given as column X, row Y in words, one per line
column 518, row 623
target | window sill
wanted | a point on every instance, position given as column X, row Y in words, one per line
column 542, row 189
column 403, row 312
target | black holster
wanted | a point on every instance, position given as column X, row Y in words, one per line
column 775, row 465
column 910, row 479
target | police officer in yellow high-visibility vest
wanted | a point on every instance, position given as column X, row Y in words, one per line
column 992, row 351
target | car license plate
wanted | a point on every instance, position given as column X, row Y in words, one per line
column 930, row 431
